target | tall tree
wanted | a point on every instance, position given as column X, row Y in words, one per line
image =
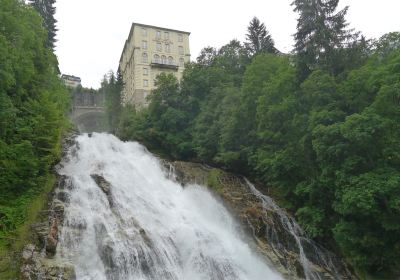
column 258, row 39
column 47, row 10
column 112, row 86
column 321, row 32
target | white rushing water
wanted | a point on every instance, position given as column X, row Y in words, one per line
column 147, row 226
column 296, row 240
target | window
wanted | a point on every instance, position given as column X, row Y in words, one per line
column 145, row 83
column 167, row 48
column 170, row 60
column 158, row 34
column 144, row 57
column 163, row 59
column 145, row 71
column 180, row 38
column 166, row 35
column 181, row 62
column 180, row 48
column 156, row 58
column 145, row 94
column 144, row 32
column 158, row 47
column 144, row 45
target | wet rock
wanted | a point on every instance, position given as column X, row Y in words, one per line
column 145, row 237
column 58, row 206
column 63, row 196
column 52, row 238
column 54, row 270
column 26, row 271
column 35, row 267
column 27, row 253
column 103, row 184
column 40, row 232
column 64, row 182
column 188, row 172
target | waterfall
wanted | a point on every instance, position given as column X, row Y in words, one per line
column 291, row 237
column 125, row 218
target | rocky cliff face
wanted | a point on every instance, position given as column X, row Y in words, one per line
column 268, row 225
column 38, row 257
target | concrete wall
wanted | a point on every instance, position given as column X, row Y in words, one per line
column 88, row 99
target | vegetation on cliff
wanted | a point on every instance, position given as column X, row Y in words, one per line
column 33, row 102
column 320, row 128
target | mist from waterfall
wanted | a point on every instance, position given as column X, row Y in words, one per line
column 146, row 226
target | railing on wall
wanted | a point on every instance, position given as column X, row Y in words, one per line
column 164, row 64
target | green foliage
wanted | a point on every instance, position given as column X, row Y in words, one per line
column 213, row 180
column 33, row 102
column 47, row 11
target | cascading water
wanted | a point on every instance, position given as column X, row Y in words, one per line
column 126, row 220
column 293, row 238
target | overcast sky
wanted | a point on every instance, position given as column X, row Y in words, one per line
column 92, row 33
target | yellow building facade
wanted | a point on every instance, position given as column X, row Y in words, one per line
column 148, row 51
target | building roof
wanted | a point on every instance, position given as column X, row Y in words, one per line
column 70, row 77
column 158, row 27
column 150, row 26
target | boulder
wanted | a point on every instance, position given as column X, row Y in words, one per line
column 63, row 196
column 35, row 267
column 55, row 270
column 52, row 238
column 103, row 184
column 58, row 206
column 27, row 253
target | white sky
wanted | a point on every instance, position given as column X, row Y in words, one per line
column 92, row 33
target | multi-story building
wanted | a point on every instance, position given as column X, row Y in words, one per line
column 71, row 81
column 148, row 51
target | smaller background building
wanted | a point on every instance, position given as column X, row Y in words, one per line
column 71, row 81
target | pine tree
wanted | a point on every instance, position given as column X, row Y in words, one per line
column 112, row 87
column 258, row 39
column 47, row 10
column 321, row 32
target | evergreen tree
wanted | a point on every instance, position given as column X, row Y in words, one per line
column 321, row 32
column 47, row 10
column 111, row 87
column 258, row 39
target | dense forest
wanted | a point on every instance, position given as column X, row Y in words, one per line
column 319, row 128
column 33, row 102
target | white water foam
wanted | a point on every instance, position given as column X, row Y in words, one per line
column 148, row 227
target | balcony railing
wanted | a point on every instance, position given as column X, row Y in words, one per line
column 164, row 64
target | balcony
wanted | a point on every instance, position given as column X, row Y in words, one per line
column 166, row 64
